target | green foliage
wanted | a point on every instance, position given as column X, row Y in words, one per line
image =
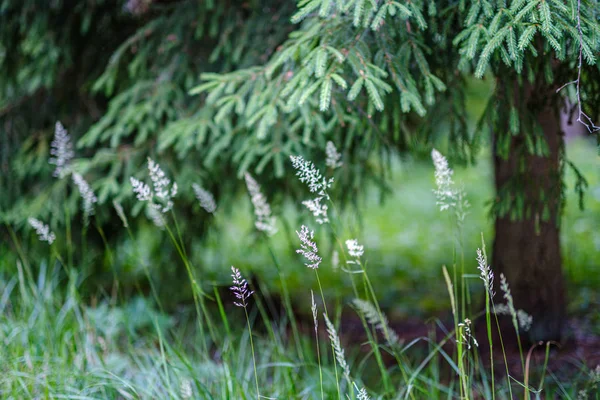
column 214, row 90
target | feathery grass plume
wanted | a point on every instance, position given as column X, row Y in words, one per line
column 241, row 292
column 159, row 197
column 163, row 189
column 185, row 389
column 89, row 198
column 206, row 199
column 317, row 209
column 43, row 231
column 308, row 247
column 309, row 174
column 362, row 394
column 337, row 346
column 335, row 260
column 141, row 190
column 121, row 213
column 265, row 222
column 379, row 321
column 487, row 275
column 354, row 249
column 333, row 157
column 447, row 194
column 154, row 214
column 509, row 299
column 62, row 150
column 240, row 288
column 525, row 320
column 466, row 334
column 520, row 318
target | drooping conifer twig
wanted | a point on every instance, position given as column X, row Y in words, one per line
column 582, row 117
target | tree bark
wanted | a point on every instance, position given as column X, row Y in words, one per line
column 527, row 247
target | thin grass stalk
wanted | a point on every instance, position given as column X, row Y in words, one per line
column 222, row 311
column 488, row 322
column 372, row 339
column 463, row 387
column 287, row 304
column 337, row 382
column 146, row 271
column 370, row 290
column 188, row 264
column 315, row 322
column 546, row 358
column 20, row 252
column 503, row 351
column 196, row 292
column 526, row 376
column 68, row 236
column 253, row 355
column 111, row 260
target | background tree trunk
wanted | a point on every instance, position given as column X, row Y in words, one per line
column 527, row 249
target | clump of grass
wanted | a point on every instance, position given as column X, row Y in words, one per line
column 56, row 345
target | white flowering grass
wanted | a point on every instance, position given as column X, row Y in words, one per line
column 466, row 334
column 240, row 288
column 265, row 221
column 486, row 273
column 309, row 174
column 61, row 150
column 242, row 293
column 513, row 313
column 448, row 194
column 335, row 260
column 159, row 196
column 337, row 346
column 206, row 199
column 142, row 190
column 362, row 394
column 333, row 158
column 43, row 231
column 378, row 320
column 318, row 209
column 119, row 209
column 354, row 249
column 87, row 194
column 308, row 247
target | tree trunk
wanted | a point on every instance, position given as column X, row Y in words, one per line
column 527, row 246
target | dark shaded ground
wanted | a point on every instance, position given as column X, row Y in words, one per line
column 571, row 359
